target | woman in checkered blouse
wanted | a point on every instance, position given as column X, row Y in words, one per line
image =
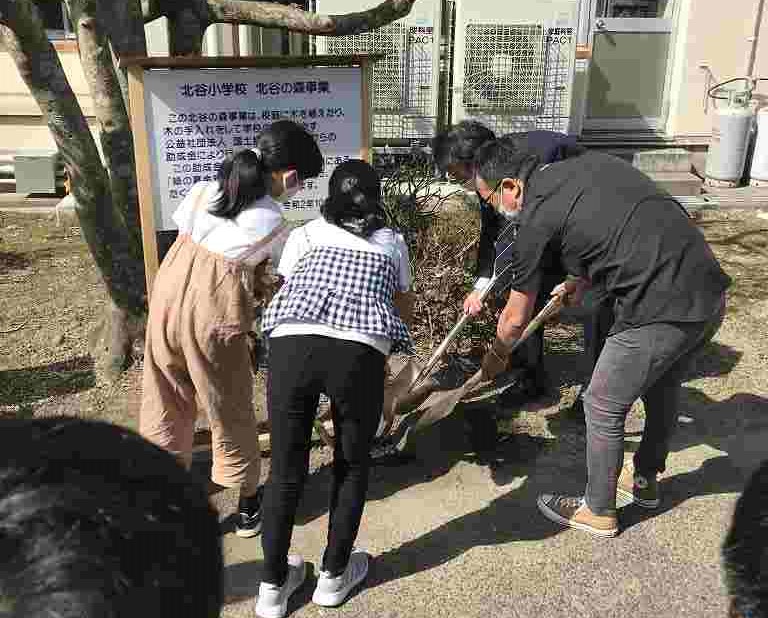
column 331, row 327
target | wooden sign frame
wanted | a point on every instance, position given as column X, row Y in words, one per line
column 137, row 66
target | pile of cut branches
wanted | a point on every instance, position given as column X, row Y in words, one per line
column 443, row 246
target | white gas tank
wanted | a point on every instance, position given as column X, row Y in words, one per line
column 727, row 153
column 758, row 173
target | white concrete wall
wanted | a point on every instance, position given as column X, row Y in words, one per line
column 713, row 34
column 21, row 124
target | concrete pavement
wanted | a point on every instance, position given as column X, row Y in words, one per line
column 455, row 534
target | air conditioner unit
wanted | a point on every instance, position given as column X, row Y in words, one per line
column 404, row 92
column 513, row 64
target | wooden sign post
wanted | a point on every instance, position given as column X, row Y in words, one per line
column 188, row 114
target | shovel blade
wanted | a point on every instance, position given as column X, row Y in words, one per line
column 399, row 387
column 440, row 404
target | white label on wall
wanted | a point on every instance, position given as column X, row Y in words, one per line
column 197, row 117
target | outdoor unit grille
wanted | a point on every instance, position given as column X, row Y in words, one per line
column 387, row 73
column 404, row 89
column 504, row 67
column 513, row 66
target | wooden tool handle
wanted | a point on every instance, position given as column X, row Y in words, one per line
column 550, row 309
column 443, row 347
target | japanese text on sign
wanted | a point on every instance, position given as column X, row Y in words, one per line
column 197, row 120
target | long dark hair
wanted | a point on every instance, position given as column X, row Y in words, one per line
column 354, row 199
column 246, row 176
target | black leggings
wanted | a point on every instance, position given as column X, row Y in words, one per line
column 352, row 375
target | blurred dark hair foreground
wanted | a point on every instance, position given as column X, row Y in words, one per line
column 96, row 521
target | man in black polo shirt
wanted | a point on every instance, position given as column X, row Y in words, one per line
column 611, row 225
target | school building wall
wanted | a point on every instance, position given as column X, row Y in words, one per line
column 23, row 127
column 712, row 43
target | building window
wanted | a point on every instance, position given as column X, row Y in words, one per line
column 55, row 19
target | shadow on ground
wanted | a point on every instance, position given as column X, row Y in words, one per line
column 530, row 464
column 736, row 427
column 721, row 425
column 241, row 583
column 23, row 386
column 13, row 261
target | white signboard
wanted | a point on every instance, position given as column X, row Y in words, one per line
column 197, row 116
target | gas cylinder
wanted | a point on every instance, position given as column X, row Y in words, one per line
column 727, row 153
column 758, row 173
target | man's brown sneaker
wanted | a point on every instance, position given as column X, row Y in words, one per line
column 635, row 488
column 573, row 512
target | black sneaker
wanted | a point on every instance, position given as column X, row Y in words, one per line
column 532, row 385
column 576, row 411
column 249, row 516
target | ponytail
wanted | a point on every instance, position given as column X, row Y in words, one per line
column 243, row 179
column 246, row 176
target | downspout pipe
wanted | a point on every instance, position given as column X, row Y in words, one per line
column 753, row 39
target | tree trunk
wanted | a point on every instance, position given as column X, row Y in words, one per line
column 111, row 112
column 107, row 203
column 124, row 24
column 104, row 227
column 185, row 32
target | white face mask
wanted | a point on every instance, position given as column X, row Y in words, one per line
column 291, row 186
column 510, row 215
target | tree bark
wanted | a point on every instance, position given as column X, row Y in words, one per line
column 112, row 114
column 124, row 24
column 186, row 29
column 278, row 15
column 295, row 19
column 107, row 203
column 104, row 229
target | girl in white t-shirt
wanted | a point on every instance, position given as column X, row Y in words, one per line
column 331, row 327
column 201, row 309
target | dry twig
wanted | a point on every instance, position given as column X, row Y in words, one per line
column 15, row 328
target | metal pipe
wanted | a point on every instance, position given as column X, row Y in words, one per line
column 247, row 37
column 753, row 39
column 212, row 40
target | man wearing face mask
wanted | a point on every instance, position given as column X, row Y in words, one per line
column 608, row 223
column 454, row 152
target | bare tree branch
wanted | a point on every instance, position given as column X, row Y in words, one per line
column 123, row 22
column 277, row 15
column 295, row 19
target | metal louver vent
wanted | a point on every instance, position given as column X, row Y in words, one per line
column 387, row 73
column 504, row 67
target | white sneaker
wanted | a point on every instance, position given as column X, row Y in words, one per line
column 333, row 591
column 273, row 600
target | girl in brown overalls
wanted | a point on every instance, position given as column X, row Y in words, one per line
column 196, row 354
